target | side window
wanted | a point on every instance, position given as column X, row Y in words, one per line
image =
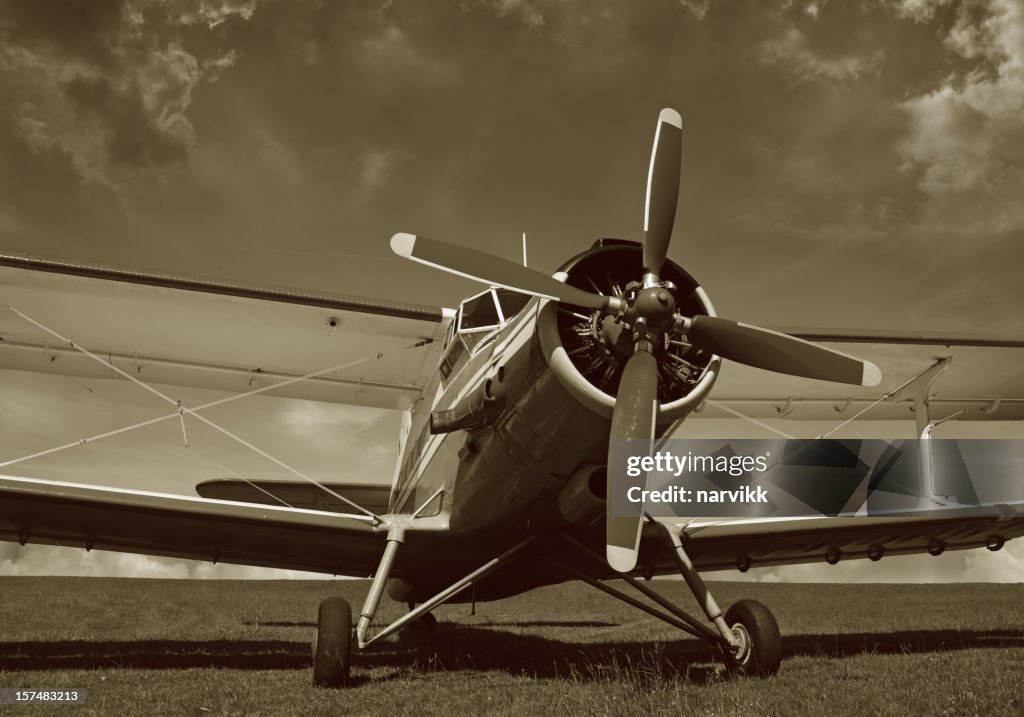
column 472, row 338
column 453, row 360
column 450, row 333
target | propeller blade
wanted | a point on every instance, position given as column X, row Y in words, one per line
column 662, row 189
column 633, row 418
column 778, row 352
column 489, row 269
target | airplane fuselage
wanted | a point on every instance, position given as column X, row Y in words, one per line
column 501, row 483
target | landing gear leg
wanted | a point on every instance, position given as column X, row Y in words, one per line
column 332, row 642
column 747, row 633
column 334, row 636
column 420, row 611
column 750, row 638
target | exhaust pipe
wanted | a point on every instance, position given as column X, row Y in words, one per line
column 477, row 410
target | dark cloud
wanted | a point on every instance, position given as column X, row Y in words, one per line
column 880, row 132
column 142, row 122
column 108, row 82
column 790, row 53
column 85, row 30
column 966, row 137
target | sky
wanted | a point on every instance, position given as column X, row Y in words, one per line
column 847, row 164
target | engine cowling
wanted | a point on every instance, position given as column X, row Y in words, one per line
column 587, row 350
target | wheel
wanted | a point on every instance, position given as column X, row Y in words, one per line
column 332, row 643
column 421, row 627
column 755, row 628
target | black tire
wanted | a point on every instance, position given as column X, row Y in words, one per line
column 420, row 629
column 761, row 643
column 332, row 643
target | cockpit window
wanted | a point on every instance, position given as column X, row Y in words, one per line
column 479, row 312
column 477, row 318
column 512, row 302
column 453, row 360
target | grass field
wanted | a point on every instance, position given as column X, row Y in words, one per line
column 179, row 647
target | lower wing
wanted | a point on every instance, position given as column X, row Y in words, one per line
column 724, row 544
column 84, row 516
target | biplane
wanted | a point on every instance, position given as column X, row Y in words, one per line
column 508, row 405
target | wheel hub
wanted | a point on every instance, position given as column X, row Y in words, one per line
column 742, row 649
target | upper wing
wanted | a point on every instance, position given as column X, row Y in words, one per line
column 71, row 514
column 985, row 377
column 216, row 334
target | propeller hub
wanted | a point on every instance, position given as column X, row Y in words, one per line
column 656, row 305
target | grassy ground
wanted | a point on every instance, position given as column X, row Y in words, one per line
column 230, row 647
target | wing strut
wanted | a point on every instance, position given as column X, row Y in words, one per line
column 181, row 410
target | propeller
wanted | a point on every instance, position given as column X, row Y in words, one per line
column 771, row 350
column 662, row 189
column 489, row 269
column 633, row 418
column 650, row 311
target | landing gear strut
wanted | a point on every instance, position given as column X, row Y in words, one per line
column 334, row 635
column 751, row 642
column 747, row 633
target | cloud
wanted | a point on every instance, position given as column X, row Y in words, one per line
column 791, row 54
column 138, row 119
column 919, row 10
column 211, row 14
column 394, row 55
column 966, row 137
column 101, row 84
column 526, row 11
column 376, row 166
column 214, row 67
column 699, row 8
column 530, row 13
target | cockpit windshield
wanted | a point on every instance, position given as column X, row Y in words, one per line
column 477, row 317
column 479, row 312
column 511, row 302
